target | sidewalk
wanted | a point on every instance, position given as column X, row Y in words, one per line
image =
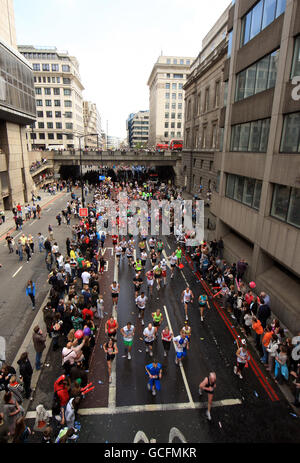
column 9, row 225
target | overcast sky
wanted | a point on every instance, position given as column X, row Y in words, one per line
column 117, row 43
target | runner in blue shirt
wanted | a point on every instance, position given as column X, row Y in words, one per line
column 154, row 371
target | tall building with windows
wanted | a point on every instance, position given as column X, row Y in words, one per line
column 92, row 125
column 203, row 101
column 166, row 98
column 137, row 126
column 59, row 101
column 17, row 109
column 257, row 199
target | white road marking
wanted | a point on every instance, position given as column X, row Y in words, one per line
column 112, row 392
column 183, row 276
column 148, row 249
column 20, row 268
column 192, row 404
column 167, row 259
column 148, row 408
column 30, row 225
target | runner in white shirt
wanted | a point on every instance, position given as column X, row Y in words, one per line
column 115, row 289
column 129, row 254
column 181, row 346
column 187, row 296
column 118, row 250
column 149, row 337
column 144, row 258
column 141, row 304
column 128, row 334
column 164, row 271
column 173, row 262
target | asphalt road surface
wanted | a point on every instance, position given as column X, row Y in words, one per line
column 248, row 410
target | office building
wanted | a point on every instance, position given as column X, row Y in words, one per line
column 59, row 101
column 92, row 125
column 257, row 197
column 138, row 129
column 166, row 98
column 17, row 109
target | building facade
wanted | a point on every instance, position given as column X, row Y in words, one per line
column 137, row 126
column 203, row 96
column 257, row 199
column 92, row 125
column 166, row 98
column 17, row 109
column 59, row 101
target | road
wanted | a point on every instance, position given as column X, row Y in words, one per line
column 248, row 410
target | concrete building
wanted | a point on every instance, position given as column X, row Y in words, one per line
column 203, row 101
column 59, row 101
column 257, row 199
column 137, row 126
column 166, row 98
column 92, row 125
column 17, row 109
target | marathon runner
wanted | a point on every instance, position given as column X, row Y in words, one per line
column 111, row 350
column 111, row 327
column 181, row 346
column 166, row 337
column 187, row 297
column 208, row 385
column 149, row 334
column 203, row 302
column 150, row 281
column 141, row 305
column 154, row 371
column 128, row 332
column 115, row 289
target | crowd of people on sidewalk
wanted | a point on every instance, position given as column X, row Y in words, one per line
column 75, row 310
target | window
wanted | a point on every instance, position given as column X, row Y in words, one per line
column 290, row 138
column 69, row 125
column 188, row 62
column 206, row 100
column 179, row 106
column 58, row 125
column 259, row 17
column 174, row 86
column 214, row 136
column 167, row 85
column 40, row 113
column 48, row 102
column 181, row 61
column 211, row 164
column 217, row 94
column 49, row 125
column 280, row 202
column 167, row 96
column 179, row 115
column 258, row 77
column 172, row 125
column 46, row 67
column 166, row 134
column 296, row 58
column 56, row 91
column 167, row 115
column 244, row 190
column 57, row 114
column 167, row 106
column 41, row 136
column 39, row 102
column 166, row 125
column 59, row 136
column 174, row 61
column 178, row 125
column 56, row 102
column 53, row 80
column 172, row 134
column 173, row 115
column 58, row 80
column 177, row 76
column 204, row 137
column 180, row 86
column 179, row 96
column 229, row 49
column 47, row 91
column 55, row 67
column 173, row 96
column 68, row 115
column 173, row 105
column 293, row 216
column 252, row 136
column 48, row 113
column 67, row 91
column 178, row 134
column 65, row 68
column 66, row 80
column 50, row 136
column 38, row 91
column 168, row 61
column 36, row 67
column 41, row 125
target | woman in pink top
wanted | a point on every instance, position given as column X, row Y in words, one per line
column 166, row 336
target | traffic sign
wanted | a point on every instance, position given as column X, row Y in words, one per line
column 83, row 212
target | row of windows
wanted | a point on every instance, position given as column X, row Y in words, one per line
column 57, row 114
column 53, row 80
column 296, row 58
column 243, row 189
column 174, row 96
column 47, row 56
column 172, row 125
column 174, row 86
column 54, row 67
column 50, row 125
column 286, row 204
column 67, row 103
column 173, row 115
column 56, row 91
column 172, row 134
column 175, row 76
column 258, row 77
column 259, row 17
column 42, row 136
column 173, row 106
column 252, row 136
column 179, row 61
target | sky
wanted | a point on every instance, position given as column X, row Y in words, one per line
column 117, row 43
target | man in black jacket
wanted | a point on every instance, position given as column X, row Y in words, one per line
column 263, row 313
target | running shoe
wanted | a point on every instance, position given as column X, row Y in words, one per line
column 240, row 376
column 202, row 319
column 151, row 353
column 235, row 370
column 148, row 387
column 143, row 323
column 153, row 392
column 208, row 415
column 129, row 356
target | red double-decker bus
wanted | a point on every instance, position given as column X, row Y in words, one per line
column 162, row 147
column 175, row 145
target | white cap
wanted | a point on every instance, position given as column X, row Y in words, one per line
column 244, row 342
